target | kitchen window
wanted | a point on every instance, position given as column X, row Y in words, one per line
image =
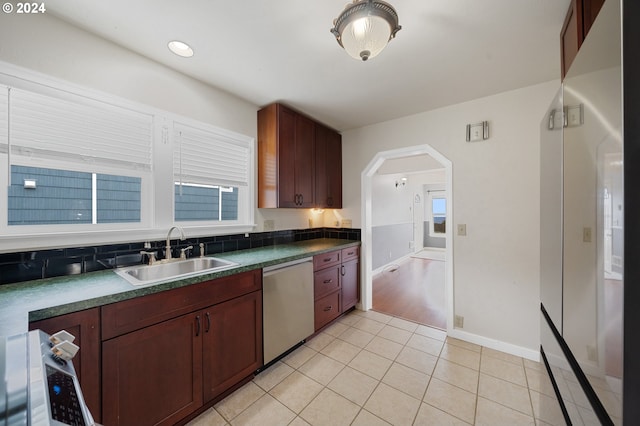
column 82, row 167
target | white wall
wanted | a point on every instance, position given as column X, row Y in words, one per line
column 50, row 46
column 495, row 193
column 391, row 204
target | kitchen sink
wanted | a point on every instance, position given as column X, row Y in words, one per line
column 149, row 274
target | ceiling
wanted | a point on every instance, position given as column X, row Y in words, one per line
column 447, row 52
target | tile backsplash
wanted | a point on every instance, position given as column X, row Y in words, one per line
column 32, row 265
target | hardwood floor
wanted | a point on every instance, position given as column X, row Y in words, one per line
column 414, row 290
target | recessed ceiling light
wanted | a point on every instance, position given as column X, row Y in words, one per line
column 180, row 48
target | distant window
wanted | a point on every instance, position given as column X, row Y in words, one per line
column 194, row 202
column 438, row 223
column 70, row 197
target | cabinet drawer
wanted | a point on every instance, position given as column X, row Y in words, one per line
column 321, row 261
column 326, row 281
column 350, row 253
column 129, row 315
column 327, row 309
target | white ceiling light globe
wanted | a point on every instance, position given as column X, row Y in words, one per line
column 366, row 37
column 365, row 27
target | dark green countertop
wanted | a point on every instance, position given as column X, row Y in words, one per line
column 41, row 299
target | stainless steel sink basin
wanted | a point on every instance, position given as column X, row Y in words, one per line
column 148, row 274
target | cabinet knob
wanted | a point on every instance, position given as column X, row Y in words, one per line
column 328, row 308
column 328, row 281
column 197, row 325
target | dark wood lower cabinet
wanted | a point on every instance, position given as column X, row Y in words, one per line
column 232, row 348
column 350, row 272
column 162, row 363
column 336, row 284
column 85, row 326
column 153, row 376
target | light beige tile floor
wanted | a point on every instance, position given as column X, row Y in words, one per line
column 373, row 369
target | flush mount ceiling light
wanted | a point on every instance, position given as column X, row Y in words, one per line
column 180, row 48
column 365, row 27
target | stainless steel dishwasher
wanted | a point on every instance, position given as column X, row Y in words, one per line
column 287, row 296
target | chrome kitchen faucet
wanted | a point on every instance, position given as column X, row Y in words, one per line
column 167, row 255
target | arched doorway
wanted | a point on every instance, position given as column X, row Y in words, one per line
column 366, row 213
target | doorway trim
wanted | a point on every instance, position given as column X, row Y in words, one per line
column 366, row 301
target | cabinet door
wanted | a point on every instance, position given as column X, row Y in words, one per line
column 326, row 309
column 153, row 376
column 328, row 150
column 334, row 170
column 304, row 162
column 85, row 325
column 287, row 157
column 590, row 10
column 350, row 272
column 324, row 260
column 326, row 281
column 571, row 35
column 232, row 342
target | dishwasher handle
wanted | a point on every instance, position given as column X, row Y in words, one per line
column 269, row 270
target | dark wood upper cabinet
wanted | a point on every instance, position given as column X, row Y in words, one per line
column 328, row 168
column 577, row 23
column 590, row 9
column 299, row 161
column 285, row 158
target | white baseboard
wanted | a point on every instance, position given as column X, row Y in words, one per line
column 516, row 350
column 393, row 262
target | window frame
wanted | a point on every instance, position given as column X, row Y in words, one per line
column 156, row 215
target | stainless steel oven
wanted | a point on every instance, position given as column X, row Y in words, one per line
column 38, row 386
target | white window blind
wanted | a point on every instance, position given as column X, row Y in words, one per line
column 4, row 118
column 207, row 157
column 80, row 130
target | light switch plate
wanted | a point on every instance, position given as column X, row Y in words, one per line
column 574, row 115
column 462, row 229
column 478, row 131
column 475, row 132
